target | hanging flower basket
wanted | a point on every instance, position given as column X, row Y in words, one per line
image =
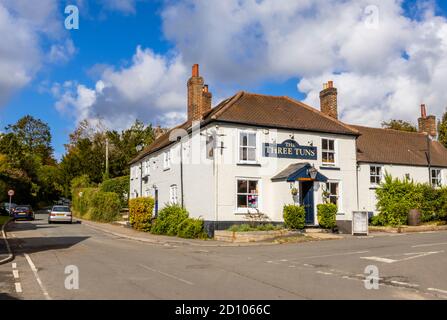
column 294, row 191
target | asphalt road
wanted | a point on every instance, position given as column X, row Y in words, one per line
column 410, row 266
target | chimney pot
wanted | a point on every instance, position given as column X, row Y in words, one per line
column 330, row 84
column 423, row 111
column 195, row 70
column 205, row 88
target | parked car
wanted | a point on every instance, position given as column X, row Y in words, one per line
column 60, row 214
column 23, row 212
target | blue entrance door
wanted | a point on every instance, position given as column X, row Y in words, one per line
column 307, row 200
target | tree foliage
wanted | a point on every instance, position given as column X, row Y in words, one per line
column 400, row 125
column 442, row 130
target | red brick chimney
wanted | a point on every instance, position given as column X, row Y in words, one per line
column 328, row 100
column 199, row 98
column 426, row 123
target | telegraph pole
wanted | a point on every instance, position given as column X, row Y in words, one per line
column 107, row 158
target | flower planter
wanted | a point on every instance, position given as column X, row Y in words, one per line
column 252, row 236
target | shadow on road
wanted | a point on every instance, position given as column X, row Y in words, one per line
column 39, row 244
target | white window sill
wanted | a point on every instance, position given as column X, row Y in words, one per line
column 244, row 163
column 244, row 211
column 166, row 169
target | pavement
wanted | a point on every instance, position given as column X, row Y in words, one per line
column 78, row 261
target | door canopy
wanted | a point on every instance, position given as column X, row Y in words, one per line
column 300, row 172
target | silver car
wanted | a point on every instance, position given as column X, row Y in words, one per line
column 60, row 214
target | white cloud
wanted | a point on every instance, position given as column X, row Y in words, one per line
column 381, row 73
column 23, row 27
column 152, row 89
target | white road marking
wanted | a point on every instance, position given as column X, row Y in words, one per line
column 429, row 244
column 34, row 269
column 437, row 290
column 15, row 274
column 420, row 254
column 335, row 255
column 14, row 265
column 413, row 255
column 18, row 287
column 167, row 275
column 379, row 259
column 405, row 284
column 325, row 273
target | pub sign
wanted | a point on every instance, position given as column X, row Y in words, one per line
column 289, row 149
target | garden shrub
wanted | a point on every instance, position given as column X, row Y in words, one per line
column 327, row 215
column 294, row 217
column 140, row 213
column 395, row 199
column 81, row 201
column 120, row 186
column 191, row 229
column 168, row 220
column 105, row 207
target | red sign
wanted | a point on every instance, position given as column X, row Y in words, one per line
column 10, row 193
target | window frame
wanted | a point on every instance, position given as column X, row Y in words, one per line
column 437, row 178
column 328, row 151
column 240, row 146
column 167, row 160
column 379, row 175
column 245, row 210
column 338, row 195
column 173, row 194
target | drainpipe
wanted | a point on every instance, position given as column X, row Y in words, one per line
column 429, row 158
column 141, row 178
column 179, row 139
column 216, row 181
column 357, row 185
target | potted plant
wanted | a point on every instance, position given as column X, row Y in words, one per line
column 294, row 191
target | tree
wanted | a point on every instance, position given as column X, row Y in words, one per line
column 400, row 125
column 34, row 136
column 442, row 130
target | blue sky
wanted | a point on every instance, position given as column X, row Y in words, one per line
column 101, row 70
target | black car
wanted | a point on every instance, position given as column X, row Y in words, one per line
column 23, row 212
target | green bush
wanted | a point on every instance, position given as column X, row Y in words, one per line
column 294, row 217
column 80, row 182
column 191, row 229
column 168, row 220
column 105, row 207
column 81, row 201
column 327, row 215
column 120, row 186
column 140, row 213
column 395, row 199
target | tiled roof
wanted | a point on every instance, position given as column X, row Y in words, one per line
column 386, row 146
column 265, row 111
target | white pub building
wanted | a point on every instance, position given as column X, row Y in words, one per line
column 252, row 154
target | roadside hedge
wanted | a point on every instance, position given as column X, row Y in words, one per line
column 169, row 219
column 396, row 197
column 140, row 213
column 327, row 215
column 81, row 200
column 120, row 186
column 294, row 217
column 105, row 207
column 93, row 204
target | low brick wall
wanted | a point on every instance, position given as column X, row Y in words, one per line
column 407, row 229
column 252, row 236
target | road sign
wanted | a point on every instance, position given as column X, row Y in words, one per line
column 10, row 193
